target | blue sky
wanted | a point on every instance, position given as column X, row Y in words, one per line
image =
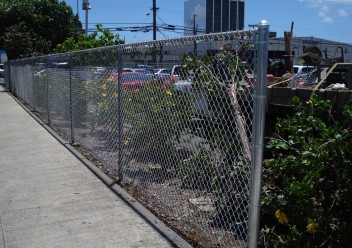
column 326, row 19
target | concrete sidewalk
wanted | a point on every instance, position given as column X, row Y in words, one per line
column 49, row 197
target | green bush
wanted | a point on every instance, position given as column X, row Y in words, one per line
column 198, row 172
column 307, row 184
column 79, row 100
column 157, row 115
column 104, row 95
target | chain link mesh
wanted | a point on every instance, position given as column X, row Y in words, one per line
column 181, row 139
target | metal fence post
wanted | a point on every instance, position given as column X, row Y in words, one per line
column 32, row 84
column 24, row 82
column 8, row 84
column 71, row 99
column 47, row 89
column 119, row 116
column 259, row 109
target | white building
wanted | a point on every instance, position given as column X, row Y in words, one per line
column 329, row 49
column 171, row 53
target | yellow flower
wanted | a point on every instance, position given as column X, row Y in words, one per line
column 168, row 93
column 103, row 94
column 109, row 79
column 126, row 142
column 312, row 227
column 281, row 217
column 104, row 87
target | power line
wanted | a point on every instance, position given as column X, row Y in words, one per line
column 119, row 23
column 162, row 33
column 147, row 28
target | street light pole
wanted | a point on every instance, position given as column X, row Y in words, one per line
column 86, row 7
column 86, row 21
column 194, row 24
column 237, row 17
column 154, row 19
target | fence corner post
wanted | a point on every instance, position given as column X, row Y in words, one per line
column 259, row 110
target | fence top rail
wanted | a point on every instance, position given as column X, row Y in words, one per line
column 230, row 35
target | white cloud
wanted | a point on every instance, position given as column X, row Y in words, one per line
column 342, row 13
column 324, row 13
column 325, row 18
column 327, row 2
column 326, row 7
column 342, row 2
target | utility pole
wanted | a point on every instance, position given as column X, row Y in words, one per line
column 288, row 56
column 221, row 17
column 154, row 19
column 237, row 17
column 229, row 24
column 86, row 7
column 194, row 25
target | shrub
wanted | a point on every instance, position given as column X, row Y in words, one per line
column 307, row 184
column 157, row 115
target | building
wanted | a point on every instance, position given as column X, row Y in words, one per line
column 213, row 16
column 329, row 49
column 171, row 53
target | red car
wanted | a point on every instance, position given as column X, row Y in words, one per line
column 136, row 79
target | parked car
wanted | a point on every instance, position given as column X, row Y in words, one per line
column 39, row 73
column 162, row 71
column 128, row 70
column 178, row 72
column 59, row 65
column 136, row 79
column 99, row 71
column 2, row 70
column 185, row 83
column 163, row 74
column 209, row 102
column 302, row 69
column 144, row 70
column 302, row 73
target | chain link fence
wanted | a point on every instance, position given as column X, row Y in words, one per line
column 180, row 139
